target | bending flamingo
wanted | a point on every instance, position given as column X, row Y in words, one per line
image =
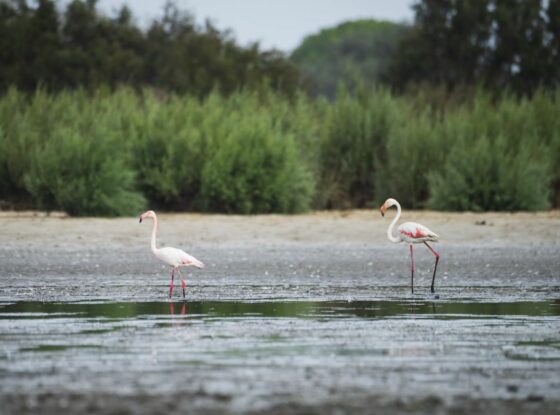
column 177, row 258
column 411, row 233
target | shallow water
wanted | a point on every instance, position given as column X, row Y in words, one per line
column 298, row 309
column 240, row 356
column 305, row 329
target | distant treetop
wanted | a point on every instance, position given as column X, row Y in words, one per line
column 357, row 50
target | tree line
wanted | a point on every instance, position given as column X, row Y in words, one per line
column 42, row 46
column 452, row 44
column 499, row 44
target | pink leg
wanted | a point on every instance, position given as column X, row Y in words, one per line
column 171, row 285
column 435, row 266
column 411, row 270
column 183, row 283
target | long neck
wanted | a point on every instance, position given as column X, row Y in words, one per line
column 154, row 231
column 392, row 238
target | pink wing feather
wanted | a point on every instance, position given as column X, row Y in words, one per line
column 415, row 231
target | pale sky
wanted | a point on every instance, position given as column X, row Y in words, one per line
column 280, row 24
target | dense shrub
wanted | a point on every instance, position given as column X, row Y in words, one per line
column 81, row 175
column 255, row 169
column 353, row 147
column 221, row 155
column 168, row 150
column 107, row 153
column 414, row 149
column 62, row 152
column 488, row 175
column 497, row 160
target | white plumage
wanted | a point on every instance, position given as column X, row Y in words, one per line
column 177, row 258
column 415, row 233
column 411, row 233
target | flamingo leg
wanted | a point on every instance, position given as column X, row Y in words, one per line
column 183, row 283
column 171, row 285
column 435, row 266
column 411, row 270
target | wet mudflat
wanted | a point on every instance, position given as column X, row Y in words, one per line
column 279, row 355
column 289, row 325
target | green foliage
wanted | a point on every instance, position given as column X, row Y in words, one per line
column 413, row 150
column 168, row 149
column 353, row 148
column 257, row 152
column 255, row 169
column 487, row 175
column 544, row 110
column 221, row 155
column 62, row 153
column 499, row 158
column 13, row 154
column 81, row 175
column 360, row 49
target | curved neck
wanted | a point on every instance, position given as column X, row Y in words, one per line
column 392, row 238
column 154, row 231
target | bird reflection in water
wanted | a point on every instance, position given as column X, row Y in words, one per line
column 172, row 309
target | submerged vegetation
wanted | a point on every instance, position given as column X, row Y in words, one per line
column 112, row 153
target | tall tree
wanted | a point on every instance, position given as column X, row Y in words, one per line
column 500, row 43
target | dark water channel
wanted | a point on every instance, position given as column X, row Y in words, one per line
column 277, row 309
column 257, row 356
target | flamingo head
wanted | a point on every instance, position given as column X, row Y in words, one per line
column 388, row 203
column 148, row 214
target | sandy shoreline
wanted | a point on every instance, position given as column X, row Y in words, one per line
column 342, row 227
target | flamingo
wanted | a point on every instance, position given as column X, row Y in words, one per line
column 411, row 233
column 177, row 258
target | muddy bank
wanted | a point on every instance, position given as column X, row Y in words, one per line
column 194, row 404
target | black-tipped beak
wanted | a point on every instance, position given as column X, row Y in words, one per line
column 382, row 214
column 140, row 221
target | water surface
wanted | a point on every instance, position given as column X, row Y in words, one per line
column 253, row 355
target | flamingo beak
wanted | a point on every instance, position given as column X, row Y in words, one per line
column 140, row 219
column 382, row 210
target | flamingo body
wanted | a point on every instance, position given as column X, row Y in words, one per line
column 416, row 233
column 176, row 258
column 411, row 233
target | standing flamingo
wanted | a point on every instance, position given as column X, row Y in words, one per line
column 177, row 258
column 412, row 233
